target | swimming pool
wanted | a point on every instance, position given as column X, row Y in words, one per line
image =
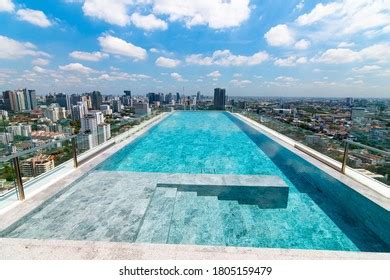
column 120, row 199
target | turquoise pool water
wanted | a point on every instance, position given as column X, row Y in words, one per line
column 194, row 142
column 119, row 200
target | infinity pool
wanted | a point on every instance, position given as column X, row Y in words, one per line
column 119, row 200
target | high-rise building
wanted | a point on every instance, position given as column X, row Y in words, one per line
column 141, row 108
column 219, row 98
column 50, row 99
column 116, row 106
column 21, row 101
column 106, row 109
column 127, row 93
column 7, row 96
column 63, row 100
column 177, row 97
column 33, row 98
column 79, row 111
column 93, row 130
column 96, row 100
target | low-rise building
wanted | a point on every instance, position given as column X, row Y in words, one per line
column 37, row 165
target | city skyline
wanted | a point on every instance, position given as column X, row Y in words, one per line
column 310, row 49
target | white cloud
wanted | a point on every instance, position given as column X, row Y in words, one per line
column 367, row 69
column 12, row 49
column 40, row 62
column 319, row 12
column 6, row 6
column 89, row 56
column 345, row 45
column 377, row 52
column 76, row 67
column 113, row 12
column 302, row 44
column 280, row 35
column 177, row 77
column 300, row 6
column 290, row 61
column 348, row 16
column 240, row 83
column 338, row 56
column 121, row 76
column 215, row 75
column 285, row 79
column 34, row 17
column 226, row 58
column 39, row 70
column 118, row 46
column 149, row 22
column 216, row 14
column 167, row 62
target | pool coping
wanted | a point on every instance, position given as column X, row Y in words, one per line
column 380, row 197
column 16, row 248
column 33, row 249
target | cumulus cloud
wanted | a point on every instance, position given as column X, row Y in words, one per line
column 76, row 67
column 177, row 77
column 6, row 6
column 167, row 62
column 226, row 58
column 377, row 52
column 302, row 44
column 113, row 12
column 215, row 75
column 114, row 45
column 216, row 14
column 39, row 70
column 149, row 22
column 290, row 61
column 121, row 76
column 240, row 83
column 285, row 79
column 367, row 69
column 34, row 17
column 280, row 35
column 348, row 16
column 40, row 62
column 89, row 56
column 12, row 49
column 338, row 56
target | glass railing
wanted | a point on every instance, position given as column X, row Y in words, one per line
column 19, row 169
column 7, row 178
column 368, row 161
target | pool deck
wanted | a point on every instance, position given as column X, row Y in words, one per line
column 16, row 248
column 28, row 249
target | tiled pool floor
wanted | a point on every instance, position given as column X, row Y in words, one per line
column 127, row 207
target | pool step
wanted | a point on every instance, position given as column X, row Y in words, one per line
column 196, row 220
column 156, row 222
column 267, row 192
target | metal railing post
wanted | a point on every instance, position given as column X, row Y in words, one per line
column 19, row 181
column 345, row 157
column 74, row 152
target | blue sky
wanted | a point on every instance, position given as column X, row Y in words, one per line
column 252, row 48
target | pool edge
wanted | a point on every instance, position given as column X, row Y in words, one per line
column 18, row 249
